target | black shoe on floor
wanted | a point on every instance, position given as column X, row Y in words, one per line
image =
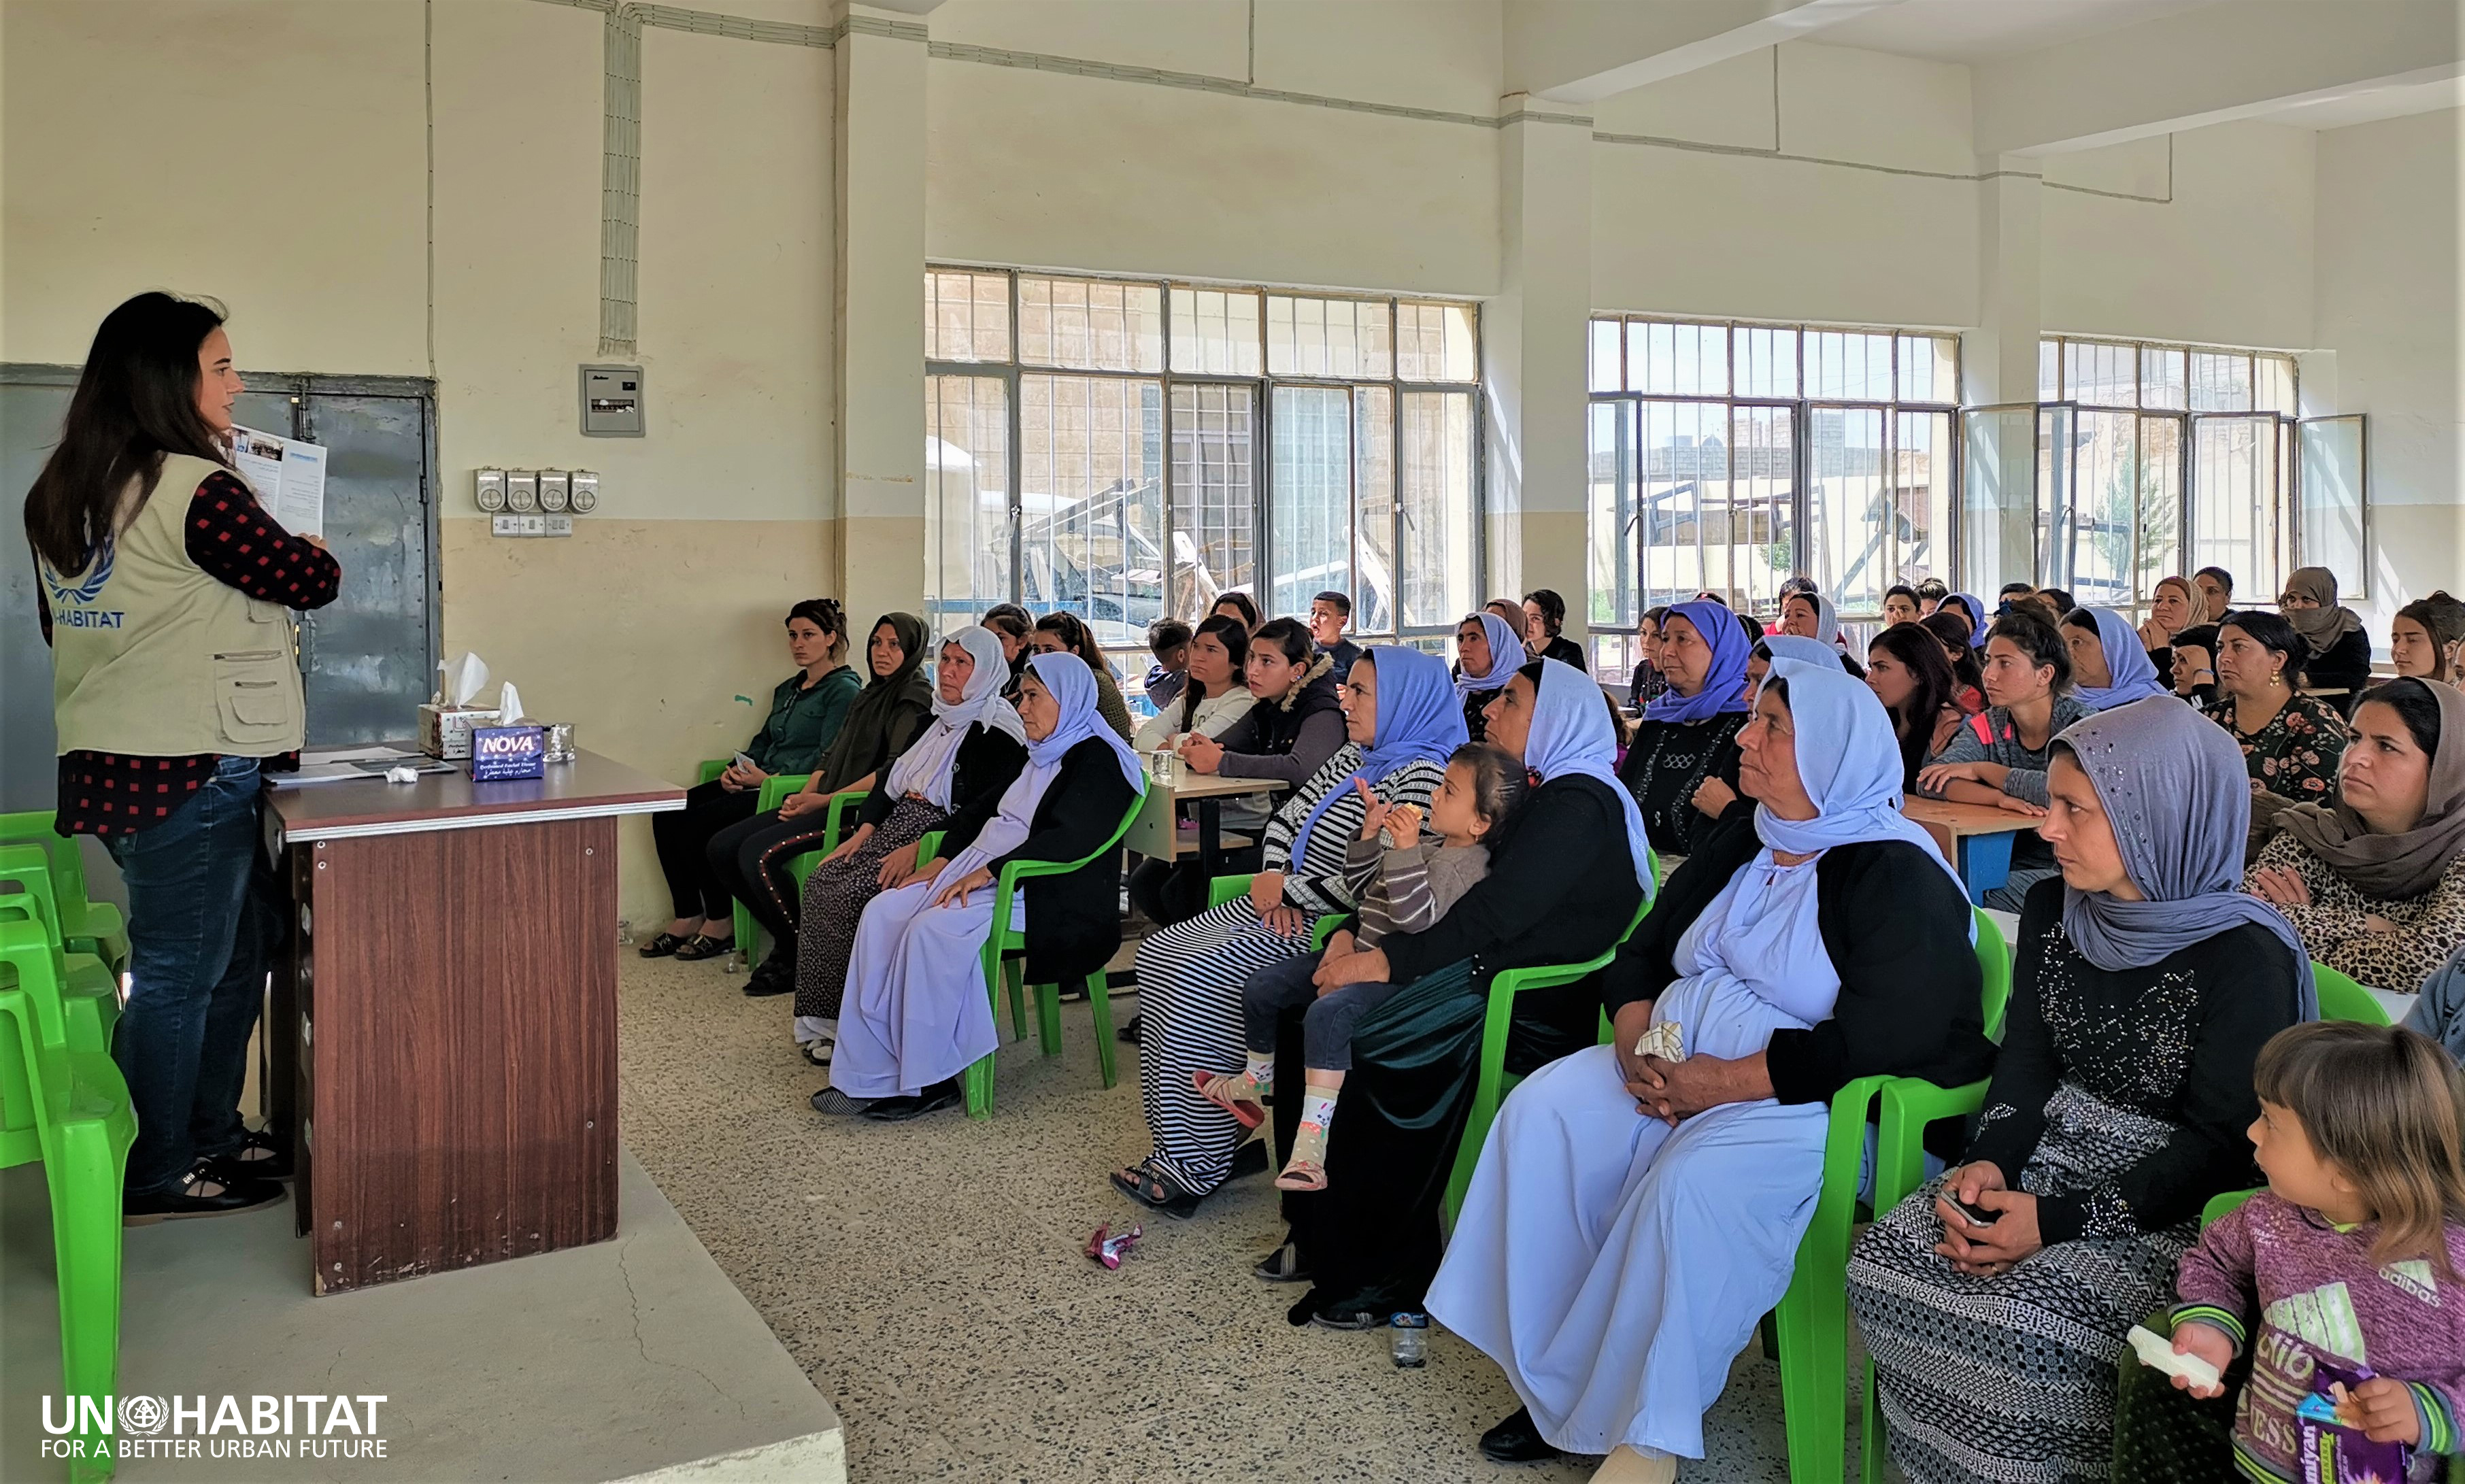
column 1516, row 1440
column 1283, row 1265
column 773, row 975
column 898, row 1110
column 203, row 1193
column 1250, row 1159
column 258, row 1156
column 1128, row 1031
column 831, row 1102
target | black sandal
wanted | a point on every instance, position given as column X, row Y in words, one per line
column 818, row 1053
column 702, row 945
column 662, row 946
column 1144, row 1184
column 1283, row 1265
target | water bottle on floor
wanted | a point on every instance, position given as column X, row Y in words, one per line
column 1410, row 1346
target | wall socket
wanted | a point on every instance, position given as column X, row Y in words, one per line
column 534, row 501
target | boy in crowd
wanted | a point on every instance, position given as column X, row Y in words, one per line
column 1328, row 615
column 1168, row 641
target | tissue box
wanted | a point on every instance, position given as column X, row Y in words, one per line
column 445, row 731
column 501, row 752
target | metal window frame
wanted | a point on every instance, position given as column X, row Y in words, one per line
column 1801, row 408
column 1263, row 384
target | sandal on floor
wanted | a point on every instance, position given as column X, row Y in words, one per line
column 662, row 946
column 702, row 945
column 1283, row 1265
column 257, row 1157
column 818, row 1053
column 1144, row 1184
column 1212, row 1085
column 1303, row 1175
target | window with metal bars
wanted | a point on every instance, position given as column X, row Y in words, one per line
column 1129, row 450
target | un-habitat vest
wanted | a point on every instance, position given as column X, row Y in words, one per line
column 154, row 657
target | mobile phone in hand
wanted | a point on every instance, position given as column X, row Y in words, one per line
column 1978, row 1215
column 743, row 762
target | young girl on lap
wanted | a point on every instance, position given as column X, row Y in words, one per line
column 1402, row 887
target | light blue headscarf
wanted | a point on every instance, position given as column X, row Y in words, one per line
column 2178, row 794
column 1505, row 656
column 1571, row 735
column 1419, row 719
column 1849, row 758
column 1797, row 647
column 1724, row 683
column 1978, row 617
column 1073, row 689
column 2133, row 675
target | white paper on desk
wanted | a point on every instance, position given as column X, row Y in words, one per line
column 288, row 476
column 314, row 756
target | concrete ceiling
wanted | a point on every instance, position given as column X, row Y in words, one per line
column 1972, row 30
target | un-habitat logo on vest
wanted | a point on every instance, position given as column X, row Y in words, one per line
column 72, row 602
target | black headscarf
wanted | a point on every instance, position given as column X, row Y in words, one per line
column 888, row 712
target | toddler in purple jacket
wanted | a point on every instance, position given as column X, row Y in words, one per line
column 2351, row 1263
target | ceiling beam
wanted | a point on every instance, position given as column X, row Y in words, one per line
column 2234, row 59
column 1583, row 51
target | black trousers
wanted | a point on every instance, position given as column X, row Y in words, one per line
column 750, row 859
column 683, row 839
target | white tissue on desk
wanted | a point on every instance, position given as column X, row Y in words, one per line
column 402, row 775
column 509, row 705
column 459, row 680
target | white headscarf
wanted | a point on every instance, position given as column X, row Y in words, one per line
column 927, row 766
column 1073, row 687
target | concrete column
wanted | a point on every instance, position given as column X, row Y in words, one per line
column 1532, row 346
column 1999, row 367
column 879, row 350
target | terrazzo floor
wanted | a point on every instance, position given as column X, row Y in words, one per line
column 931, row 1279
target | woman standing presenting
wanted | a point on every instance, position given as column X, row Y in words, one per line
column 175, row 673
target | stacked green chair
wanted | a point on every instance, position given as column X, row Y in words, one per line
column 1004, row 956
column 89, row 991
column 68, row 1109
column 91, row 927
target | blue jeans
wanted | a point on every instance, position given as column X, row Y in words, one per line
column 196, row 975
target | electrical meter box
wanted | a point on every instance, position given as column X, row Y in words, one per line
column 612, row 401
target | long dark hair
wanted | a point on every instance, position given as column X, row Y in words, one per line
column 1239, row 602
column 1951, row 632
column 1922, row 655
column 1236, row 639
column 1075, row 633
column 135, row 402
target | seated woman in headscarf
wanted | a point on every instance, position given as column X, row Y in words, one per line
column 917, row 1013
column 2144, row 988
column 1401, row 721
column 968, row 756
column 1565, row 880
column 1681, row 764
column 2109, row 668
column 2374, row 883
column 1999, row 756
column 1633, row 1218
column 1808, row 614
column 1972, row 606
column 1487, row 656
column 2341, row 652
column 751, row 858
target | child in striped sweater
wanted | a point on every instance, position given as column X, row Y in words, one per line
column 1403, row 886
column 2346, row 1277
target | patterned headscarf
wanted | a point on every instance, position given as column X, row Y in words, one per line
column 1724, row 682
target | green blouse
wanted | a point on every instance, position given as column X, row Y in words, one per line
column 803, row 720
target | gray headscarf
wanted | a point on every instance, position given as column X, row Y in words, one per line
column 2176, row 790
column 2322, row 626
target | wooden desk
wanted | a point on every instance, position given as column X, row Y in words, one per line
column 1979, row 835
column 443, row 1032
column 1156, row 835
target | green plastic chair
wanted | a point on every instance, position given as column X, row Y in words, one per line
column 87, row 926
column 68, row 1109
column 89, row 992
column 1223, row 889
column 1495, row 1082
column 2342, row 998
column 1004, row 958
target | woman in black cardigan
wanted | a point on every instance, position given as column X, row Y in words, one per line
column 917, row 1013
column 971, row 753
column 1564, row 883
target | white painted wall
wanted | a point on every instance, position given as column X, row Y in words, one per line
column 2390, row 309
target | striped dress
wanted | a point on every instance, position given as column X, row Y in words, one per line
column 1190, row 974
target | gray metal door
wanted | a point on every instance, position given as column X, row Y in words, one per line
column 369, row 657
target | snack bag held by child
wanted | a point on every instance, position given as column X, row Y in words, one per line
column 2346, row 1277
